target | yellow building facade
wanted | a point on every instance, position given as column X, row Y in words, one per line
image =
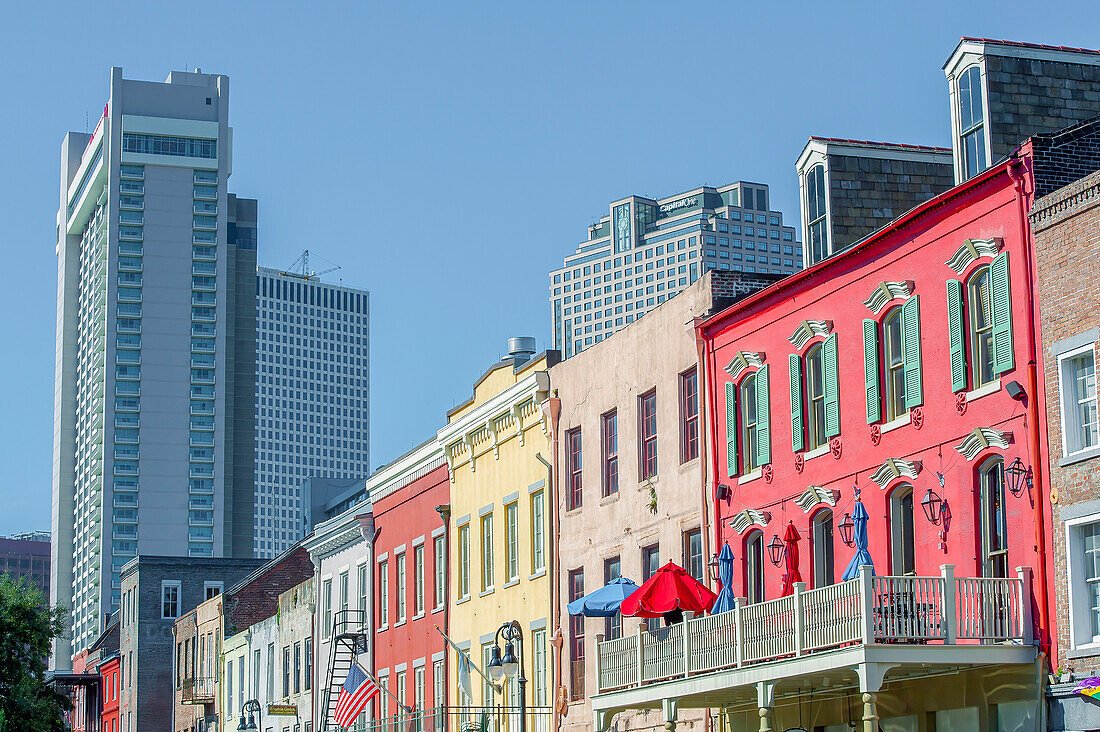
column 499, row 547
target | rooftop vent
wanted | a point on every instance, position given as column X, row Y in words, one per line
column 521, row 348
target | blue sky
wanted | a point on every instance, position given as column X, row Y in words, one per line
column 447, row 156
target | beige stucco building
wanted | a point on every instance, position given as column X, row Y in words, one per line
column 629, row 466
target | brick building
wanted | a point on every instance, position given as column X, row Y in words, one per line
column 1066, row 226
column 156, row 591
column 205, row 694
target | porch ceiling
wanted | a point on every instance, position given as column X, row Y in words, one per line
column 830, row 672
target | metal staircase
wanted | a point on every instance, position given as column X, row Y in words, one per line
column 348, row 639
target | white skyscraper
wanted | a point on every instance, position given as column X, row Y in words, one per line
column 312, row 399
column 156, row 318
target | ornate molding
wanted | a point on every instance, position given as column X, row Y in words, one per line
column 814, row 495
column 887, row 291
column 807, row 329
column 971, row 251
column 748, row 517
column 744, row 360
column 980, row 439
column 896, row 468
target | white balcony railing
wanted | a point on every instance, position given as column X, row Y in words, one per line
column 866, row 610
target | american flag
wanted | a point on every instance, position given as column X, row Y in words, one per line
column 358, row 689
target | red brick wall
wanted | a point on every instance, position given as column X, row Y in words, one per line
column 259, row 598
column 1066, row 227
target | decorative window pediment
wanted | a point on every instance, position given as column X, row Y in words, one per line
column 980, row 439
column 896, row 468
column 971, row 251
column 887, row 291
column 748, row 517
column 807, row 329
column 744, row 360
column 815, row 495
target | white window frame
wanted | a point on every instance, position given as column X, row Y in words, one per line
column 1070, row 410
column 178, row 586
column 511, row 543
column 383, row 593
column 207, row 586
column 401, row 587
column 1080, row 630
column 439, row 554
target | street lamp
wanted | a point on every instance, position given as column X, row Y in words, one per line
column 1018, row 477
column 931, row 504
column 846, row 527
column 253, row 708
column 776, row 550
column 509, row 665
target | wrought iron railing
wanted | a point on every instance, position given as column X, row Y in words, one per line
column 944, row 609
column 197, row 690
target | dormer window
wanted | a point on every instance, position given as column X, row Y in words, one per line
column 971, row 118
column 817, row 226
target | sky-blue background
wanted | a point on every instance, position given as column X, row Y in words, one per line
column 449, row 155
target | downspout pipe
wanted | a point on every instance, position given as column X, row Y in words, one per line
column 707, row 358
column 552, row 409
column 1019, row 175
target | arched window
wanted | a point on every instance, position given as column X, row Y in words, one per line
column 817, row 227
column 815, row 396
column 893, row 364
column 991, row 486
column 821, row 538
column 980, row 307
column 754, row 567
column 971, row 117
column 902, row 539
column 749, row 435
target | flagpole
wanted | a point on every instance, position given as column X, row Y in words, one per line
column 468, row 660
column 385, row 688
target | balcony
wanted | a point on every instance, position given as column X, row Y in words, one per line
column 197, row 690
column 878, row 623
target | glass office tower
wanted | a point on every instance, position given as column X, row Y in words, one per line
column 312, row 401
column 646, row 250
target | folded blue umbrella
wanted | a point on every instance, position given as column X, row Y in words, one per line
column 859, row 533
column 604, row 602
column 725, row 574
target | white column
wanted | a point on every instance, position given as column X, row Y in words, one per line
column 950, row 604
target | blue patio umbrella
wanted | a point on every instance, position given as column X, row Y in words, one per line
column 859, row 535
column 604, row 602
column 725, row 573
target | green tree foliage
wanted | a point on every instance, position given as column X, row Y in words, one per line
column 27, row 629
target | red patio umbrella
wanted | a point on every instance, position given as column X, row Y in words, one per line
column 670, row 589
column 790, row 538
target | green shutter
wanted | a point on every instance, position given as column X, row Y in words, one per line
column 731, row 429
column 832, row 388
column 870, row 370
column 910, row 347
column 1002, row 314
column 763, row 418
column 798, row 441
column 955, row 335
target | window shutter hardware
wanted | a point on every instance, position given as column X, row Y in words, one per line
column 731, row 429
column 956, row 336
column 832, row 389
column 870, row 370
column 763, row 418
column 1001, row 300
column 798, row 439
column 910, row 346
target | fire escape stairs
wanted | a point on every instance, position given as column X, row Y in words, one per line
column 348, row 639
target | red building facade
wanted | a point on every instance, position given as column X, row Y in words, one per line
column 410, row 551
column 108, row 690
column 902, row 371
